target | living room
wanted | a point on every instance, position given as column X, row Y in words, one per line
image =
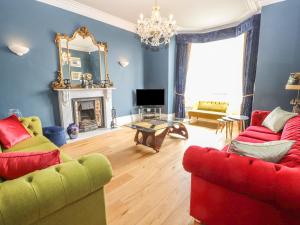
column 188, row 115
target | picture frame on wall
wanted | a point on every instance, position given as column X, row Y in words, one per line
column 75, row 62
column 76, row 75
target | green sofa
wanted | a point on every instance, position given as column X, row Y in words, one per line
column 70, row 193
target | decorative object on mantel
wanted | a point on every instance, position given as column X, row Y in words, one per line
column 95, row 62
column 294, row 85
column 156, row 30
column 73, row 130
column 67, row 83
column 113, row 123
column 18, row 49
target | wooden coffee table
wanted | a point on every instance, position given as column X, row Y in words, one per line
column 153, row 132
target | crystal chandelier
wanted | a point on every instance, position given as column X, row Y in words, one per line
column 156, row 30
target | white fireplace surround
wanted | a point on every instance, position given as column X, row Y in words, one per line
column 65, row 97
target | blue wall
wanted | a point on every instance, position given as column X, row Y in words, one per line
column 279, row 54
column 25, row 80
column 159, row 72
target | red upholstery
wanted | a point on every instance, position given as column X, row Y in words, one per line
column 228, row 189
column 260, row 136
column 261, row 130
column 17, row 164
column 291, row 131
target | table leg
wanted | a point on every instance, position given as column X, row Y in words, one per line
column 151, row 140
column 243, row 125
column 179, row 129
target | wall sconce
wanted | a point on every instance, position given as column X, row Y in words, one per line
column 124, row 62
column 18, row 49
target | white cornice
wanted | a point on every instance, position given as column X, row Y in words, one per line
column 84, row 10
column 268, row 2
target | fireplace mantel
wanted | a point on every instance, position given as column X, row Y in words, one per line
column 65, row 97
column 83, row 89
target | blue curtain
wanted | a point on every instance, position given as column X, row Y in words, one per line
column 182, row 59
column 251, row 27
column 250, row 63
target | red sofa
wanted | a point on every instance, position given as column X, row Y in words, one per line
column 228, row 189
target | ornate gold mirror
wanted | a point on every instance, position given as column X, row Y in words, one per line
column 82, row 61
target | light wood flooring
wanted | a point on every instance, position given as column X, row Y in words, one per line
column 147, row 188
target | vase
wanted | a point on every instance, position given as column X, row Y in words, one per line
column 73, row 131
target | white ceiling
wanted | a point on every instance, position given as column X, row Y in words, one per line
column 190, row 15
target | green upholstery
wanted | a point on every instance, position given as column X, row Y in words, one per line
column 37, row 143
column 70, row 193
column 33, row 125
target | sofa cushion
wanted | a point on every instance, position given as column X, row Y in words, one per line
column 35, row 144
column 261, row 129
column 271, row 151
column 12, row 131
column 260, row 135
column 17, row 164
column 276, row 120
column 31, row 142
column 244, row 139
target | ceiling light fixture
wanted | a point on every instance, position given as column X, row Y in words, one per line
column 156, row 30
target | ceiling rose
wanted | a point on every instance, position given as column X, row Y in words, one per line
column 156, row 30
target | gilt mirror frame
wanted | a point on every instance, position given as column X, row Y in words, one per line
column 84, row 33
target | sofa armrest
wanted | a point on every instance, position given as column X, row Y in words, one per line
column 258, row 179
column 33, row 125
column 258, row 117
column 29, row 198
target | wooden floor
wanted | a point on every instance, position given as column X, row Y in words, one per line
column 147, row 188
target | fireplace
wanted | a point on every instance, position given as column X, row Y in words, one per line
column 88, row 113
column 68, row 97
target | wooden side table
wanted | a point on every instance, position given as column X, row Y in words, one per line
column 228, row 126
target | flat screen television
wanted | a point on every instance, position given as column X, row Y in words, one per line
column 150, row 97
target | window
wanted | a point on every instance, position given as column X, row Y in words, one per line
column 215, row 72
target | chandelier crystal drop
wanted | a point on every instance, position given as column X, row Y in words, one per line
column 156, row 30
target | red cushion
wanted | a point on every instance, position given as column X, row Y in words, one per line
column 12, row 131
column 258, row 117
column 17, row 164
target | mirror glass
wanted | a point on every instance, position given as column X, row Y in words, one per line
column 83, row 62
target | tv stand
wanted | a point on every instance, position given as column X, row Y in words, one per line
column 149, row 113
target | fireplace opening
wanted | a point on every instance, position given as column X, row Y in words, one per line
column 88, row 113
